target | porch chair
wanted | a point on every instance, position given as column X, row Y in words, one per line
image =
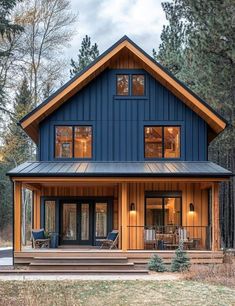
column 183, row 235
column 150, row 238
column 111, row 241
column 39, row 240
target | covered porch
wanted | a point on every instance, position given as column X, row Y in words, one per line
column 149, row 214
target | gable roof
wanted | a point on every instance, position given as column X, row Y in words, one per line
column 31, row 121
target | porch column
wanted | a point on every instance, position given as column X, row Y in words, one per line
column 17, row 215
column 36, row 209
column 124, row 203
column 215, row 218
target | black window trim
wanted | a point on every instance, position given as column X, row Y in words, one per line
column 130, row 85
column 73, row 126
column 163, row 142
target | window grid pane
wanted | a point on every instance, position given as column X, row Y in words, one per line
column 64, row 142
column 138, row 85
column 83, row 142
column 123, row 85
column 101, row 219
column 50, row 216
column 171, row 142
column 153, row 142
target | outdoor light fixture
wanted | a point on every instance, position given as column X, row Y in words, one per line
column 132, row 207
column 191, row 207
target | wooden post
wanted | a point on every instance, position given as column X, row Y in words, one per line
column 36, row 205
column 124, row 200
column 215, row 218
column 17, row 215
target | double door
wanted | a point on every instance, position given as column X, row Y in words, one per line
column 83, row 222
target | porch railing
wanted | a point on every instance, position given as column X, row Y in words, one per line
column 168, row 237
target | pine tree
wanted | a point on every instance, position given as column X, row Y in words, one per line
column 17, row 147
column 198, row 47
column 156, row 264
column 181, row 261
column 87, row 54
column 7, row 30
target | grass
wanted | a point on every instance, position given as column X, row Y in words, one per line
column 68, row 293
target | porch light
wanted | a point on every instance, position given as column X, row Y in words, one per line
column 132, row 207
column 191, row 207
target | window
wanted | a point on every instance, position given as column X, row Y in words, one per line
column 50, row 216
column 101, row 219
column 162, row 141
column 73, row 141
column 163, row 211
column 82, row 142
column 133, row 85
column 64, row 141
column 137, row 85
column 123, row 85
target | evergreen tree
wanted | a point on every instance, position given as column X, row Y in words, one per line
column 17, row 147
column 198, row 47
column 181, row 261
column 7, row 30
column 87, row 54
column 156, row 264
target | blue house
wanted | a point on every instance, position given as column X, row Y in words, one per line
column 122, row 146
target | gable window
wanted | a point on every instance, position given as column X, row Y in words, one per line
column 123, row 84
column 73, row 142
column 137, row 85
column 133, row 85
column 162, row 141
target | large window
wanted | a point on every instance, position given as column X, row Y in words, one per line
column 73, row 141
column 130, row 85
column 163, row 211
column 162, row 141
column 50, row 216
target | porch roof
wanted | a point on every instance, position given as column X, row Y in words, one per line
column 119, row 169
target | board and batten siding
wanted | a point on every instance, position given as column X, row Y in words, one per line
column 118, row 122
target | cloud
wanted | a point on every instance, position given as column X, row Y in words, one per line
column 106, row 21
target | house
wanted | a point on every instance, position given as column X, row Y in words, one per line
column 123, row 145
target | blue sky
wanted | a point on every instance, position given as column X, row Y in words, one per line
column 106, row 21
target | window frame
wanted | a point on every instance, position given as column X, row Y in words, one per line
column 130, row 75
column 163, row 195
column 162, row 126
column 73, row 141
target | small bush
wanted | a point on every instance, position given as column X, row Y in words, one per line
column 156, row 264
column 181, row 261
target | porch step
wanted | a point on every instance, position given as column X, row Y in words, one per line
column 66, row 259
column 81, row 266
column 77, row 272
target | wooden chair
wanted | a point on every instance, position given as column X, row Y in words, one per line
column 111, row 241
column 150, row 238
column 39, row 240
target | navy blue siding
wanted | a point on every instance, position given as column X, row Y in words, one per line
column 118, row 123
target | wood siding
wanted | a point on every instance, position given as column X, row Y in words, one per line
column 118, row 123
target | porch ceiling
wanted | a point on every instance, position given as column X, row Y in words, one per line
column 120, row 169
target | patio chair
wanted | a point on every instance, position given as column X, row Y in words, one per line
column 150, row 238
column 39, row 240
column 111, row 241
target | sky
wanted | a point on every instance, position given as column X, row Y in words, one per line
column 106, row 21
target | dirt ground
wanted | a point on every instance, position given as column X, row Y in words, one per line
column 138, row 292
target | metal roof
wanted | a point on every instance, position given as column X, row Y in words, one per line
column 119, row 169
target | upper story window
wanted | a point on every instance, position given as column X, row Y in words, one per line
column 133, row 85
column 162, row 141
column 73, row 142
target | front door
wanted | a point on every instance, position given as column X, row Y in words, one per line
column 76, row 223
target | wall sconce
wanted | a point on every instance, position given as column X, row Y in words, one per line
column 191, row 207
column 132, row 207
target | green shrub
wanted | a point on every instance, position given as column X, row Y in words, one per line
column 156, row 264
column 181, row 261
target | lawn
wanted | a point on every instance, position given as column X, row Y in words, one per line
column 109, row 293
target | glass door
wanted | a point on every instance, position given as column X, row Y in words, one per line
column 76, row 223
